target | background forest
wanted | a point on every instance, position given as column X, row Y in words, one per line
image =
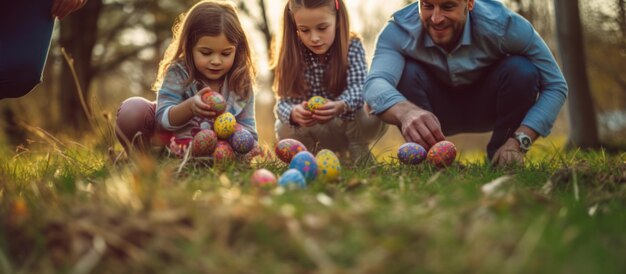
column 117, row 44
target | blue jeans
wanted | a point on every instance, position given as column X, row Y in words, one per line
column 25, row 32
column 497, row 102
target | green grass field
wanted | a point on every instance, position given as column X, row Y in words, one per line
column 66, row 208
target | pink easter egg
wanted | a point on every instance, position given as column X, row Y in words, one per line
column 263, row 178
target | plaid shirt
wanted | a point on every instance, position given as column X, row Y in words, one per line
column 173, row 92
column 314, row 75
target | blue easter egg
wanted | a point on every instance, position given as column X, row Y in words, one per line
column 292, row 177
column 411, row 154
column 242, row 141
column 305, row 162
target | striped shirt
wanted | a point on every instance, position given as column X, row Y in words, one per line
column 314, row 75
column 173, row 92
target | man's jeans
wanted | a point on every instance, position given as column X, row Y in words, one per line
column 499, row 101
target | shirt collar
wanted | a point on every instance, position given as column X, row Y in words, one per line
column 466, row 38
column 312, row 57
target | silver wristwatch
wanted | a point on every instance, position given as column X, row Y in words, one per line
column 524, row 141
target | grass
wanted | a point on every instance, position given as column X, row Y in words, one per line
column 66, row 208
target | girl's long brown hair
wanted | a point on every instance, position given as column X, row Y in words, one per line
column 210, row 18
column 290, row 62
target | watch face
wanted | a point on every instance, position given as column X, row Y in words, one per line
column 524, row 141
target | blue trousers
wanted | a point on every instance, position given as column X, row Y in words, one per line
column 25, row 32
column 497, row 102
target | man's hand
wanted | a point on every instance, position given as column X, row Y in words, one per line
column 416, row 124
column 328, row 111
column 301, row 115
column 62, row 8
column 508, row 154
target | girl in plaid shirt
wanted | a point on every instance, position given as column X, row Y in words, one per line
column 209, row 49
column 319, row 56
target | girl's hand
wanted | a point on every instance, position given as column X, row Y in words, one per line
column 302, row 116
column 62, row 8
column 329, row 111
column 199, row 108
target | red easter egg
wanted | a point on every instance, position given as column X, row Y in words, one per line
column 204, row 143
column 442, row 154
column 215, row 101
column 287, row 148
column 223, row 152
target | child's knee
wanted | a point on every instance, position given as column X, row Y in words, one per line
column 135, row 114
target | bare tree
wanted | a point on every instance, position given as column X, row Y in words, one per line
column 583, row 124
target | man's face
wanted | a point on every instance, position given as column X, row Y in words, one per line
column 444, row 20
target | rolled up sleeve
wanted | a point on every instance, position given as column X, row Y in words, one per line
column 522, row 39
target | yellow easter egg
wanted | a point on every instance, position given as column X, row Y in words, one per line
column 316, row 102
column 328, row 165
column 224, row 125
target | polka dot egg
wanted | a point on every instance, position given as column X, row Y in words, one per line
column 305, row 162
column 329, row 167
column 224, row 125
column 411, row 154
column 442, row 154
column 287, row 148
column 316, row 102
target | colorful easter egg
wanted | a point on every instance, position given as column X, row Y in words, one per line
column 204, row 143
column 223, row 152
column 287, row 148
column 411, row 154
column 328, row 165
column 292, row 178
column 263, row 178
column 316, row 102
column 242, row 141
column 442, row 154
column 305, row 162
column 224, row 125
column 215, row 101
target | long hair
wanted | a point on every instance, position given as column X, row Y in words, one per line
column 290, row 63
column 209, row 18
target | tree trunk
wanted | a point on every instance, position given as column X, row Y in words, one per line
column 78, row 34
column 582, row 116
column 621, row 22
